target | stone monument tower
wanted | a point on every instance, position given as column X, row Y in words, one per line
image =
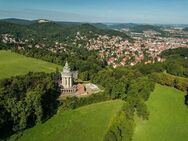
column 67, row 80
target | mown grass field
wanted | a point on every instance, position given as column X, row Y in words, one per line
column 168, row 120
column 88, row 123
column 12, row 64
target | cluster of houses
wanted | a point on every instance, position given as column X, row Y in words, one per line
column 114, row 49
column 56, row 46
column 119, row 52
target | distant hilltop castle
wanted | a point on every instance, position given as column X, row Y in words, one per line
column 42, row 21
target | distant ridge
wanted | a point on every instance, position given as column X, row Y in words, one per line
column 17, row 21
column 100, row 25
column 122, row 25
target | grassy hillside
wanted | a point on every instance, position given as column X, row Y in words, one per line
column 12, row 64
column 168, row 119
column 88, row 123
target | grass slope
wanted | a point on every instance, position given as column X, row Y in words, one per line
column 88, row 123
column 12, row 64
column 168, row 119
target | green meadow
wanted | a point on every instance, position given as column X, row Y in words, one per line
column 88, row 123
column 168, row 120
column 13, row 64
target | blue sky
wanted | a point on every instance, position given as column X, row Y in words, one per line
column 124, row 11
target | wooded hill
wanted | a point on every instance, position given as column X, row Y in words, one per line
column 60, row 31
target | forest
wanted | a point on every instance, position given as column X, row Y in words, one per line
column 27, row 100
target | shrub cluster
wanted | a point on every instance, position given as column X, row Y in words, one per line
column 170, row 80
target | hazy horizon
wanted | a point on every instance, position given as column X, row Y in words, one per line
column 98, row 11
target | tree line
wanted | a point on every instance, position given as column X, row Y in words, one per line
column 81, row 59
column 180, row 83
column 134, row 88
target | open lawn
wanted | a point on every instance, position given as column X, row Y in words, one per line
column 12, row 64
column 168, row 120
column 88, row 123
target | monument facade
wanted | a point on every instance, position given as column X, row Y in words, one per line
column 67, row 81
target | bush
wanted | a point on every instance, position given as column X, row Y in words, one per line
column 181, row 83
column 75, row 102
